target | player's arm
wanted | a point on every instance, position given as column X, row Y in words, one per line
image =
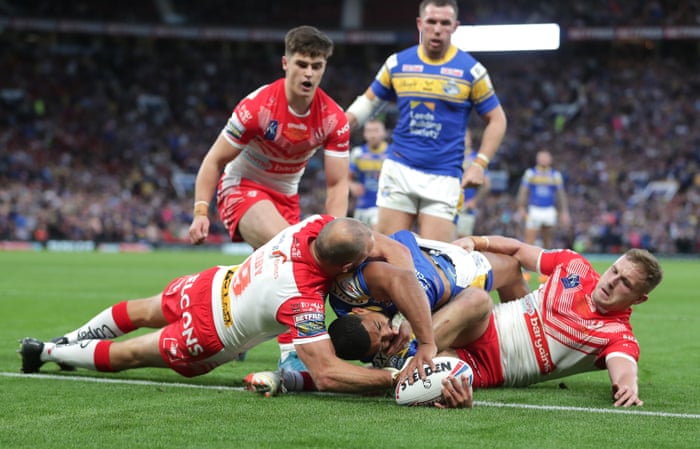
column 623, row 378
column 330, row 373
column 390, row 283
column 337, row 185
column 364, row 107
column 220, row 153
column 527, row 255
column 494, row 131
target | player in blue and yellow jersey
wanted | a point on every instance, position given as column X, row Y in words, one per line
column 435, row 86
column 542, row 201
column 365, row 164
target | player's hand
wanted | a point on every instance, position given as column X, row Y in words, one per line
column 455, row 394
column 401, row 339
column 199, row 229
column 425, row 353
column 466, row 243
column 473, row 176
column 625, row 396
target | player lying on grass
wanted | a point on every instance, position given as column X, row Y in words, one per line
column 577, row 321
column 445, row 271
column 208, row 318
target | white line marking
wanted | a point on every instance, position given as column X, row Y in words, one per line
column 621, row 411
column 122, row 381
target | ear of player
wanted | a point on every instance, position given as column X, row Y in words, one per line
column 429, row 391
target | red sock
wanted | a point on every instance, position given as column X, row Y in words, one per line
column 121, row 317
column 102, row 362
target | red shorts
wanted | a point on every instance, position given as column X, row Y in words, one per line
column 234, row 202
column 484, row 356
column 190, row 344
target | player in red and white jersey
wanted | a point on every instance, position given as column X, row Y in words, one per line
column 577, row 321
column 209, row 318
column 264, row 148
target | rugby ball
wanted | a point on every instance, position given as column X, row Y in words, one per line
column 429, row 391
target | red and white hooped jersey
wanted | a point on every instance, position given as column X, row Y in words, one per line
column 277, row 288
column 276, row 142
column 557, row 330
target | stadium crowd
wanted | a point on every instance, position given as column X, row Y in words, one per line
column 100, row 137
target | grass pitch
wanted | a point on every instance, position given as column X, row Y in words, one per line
column 46, row 294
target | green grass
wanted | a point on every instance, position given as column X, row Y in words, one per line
column 47, row 294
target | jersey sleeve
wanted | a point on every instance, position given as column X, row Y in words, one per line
column 305, row 317
column 482, row 94
column 550, row 259
column 624, row 346
column 337, row 143
column 242, row 125
column 381, row 86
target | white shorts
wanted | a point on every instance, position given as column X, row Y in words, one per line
column 413, row 191
column 367, row 216
column 538, row 217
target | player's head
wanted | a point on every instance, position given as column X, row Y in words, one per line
column 374, row 132
column 306, row 52
column 627, row 281
column 437, row 20
column 308, row 41
column 361, row 334
column 342, row 245
column 543, row 158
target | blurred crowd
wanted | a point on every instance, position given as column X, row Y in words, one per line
column 100, row 137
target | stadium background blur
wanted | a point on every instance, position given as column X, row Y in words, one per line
column 106, row 111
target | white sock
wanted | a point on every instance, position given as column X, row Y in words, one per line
column 80, row 355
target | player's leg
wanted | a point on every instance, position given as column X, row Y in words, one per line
column 392, row 220
column 260, row 223
column 96, row 355
column 462, row 320
column 436, row 228
column 439, row 200
column 118, row 320
column 507, row 276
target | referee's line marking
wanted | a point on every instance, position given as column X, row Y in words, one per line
column 620, row 411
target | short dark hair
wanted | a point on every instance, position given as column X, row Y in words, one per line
column 350, row 338
column 309, row 41
column 439, row 3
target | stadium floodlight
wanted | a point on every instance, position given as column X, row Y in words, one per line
column 522, row 37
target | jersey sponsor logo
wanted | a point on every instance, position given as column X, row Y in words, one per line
column 226, row 297
column 234, row 127
column 451, row 72
column 309, row 324
column 539, row 344
column 271, row 131
column 571, row 281
column 478, row 71
column 299, row 126
column 347, row 289
column 244, row 114
column 345, row 129
column 412, row 68
column 188, row 330
column 450, row 88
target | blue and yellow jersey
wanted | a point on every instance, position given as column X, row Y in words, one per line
column 365, row 165
column 434, row 98
column 543, row 184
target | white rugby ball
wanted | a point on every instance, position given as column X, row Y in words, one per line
column 429, row 391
